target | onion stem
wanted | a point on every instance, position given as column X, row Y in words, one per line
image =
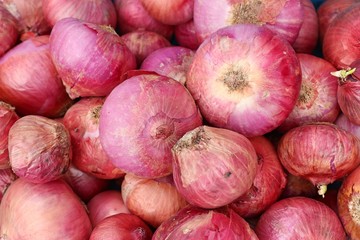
column 322, row 190
column 343, row 74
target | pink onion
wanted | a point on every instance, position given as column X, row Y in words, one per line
column 213, row 166
column 171, row 61
column 245, row 78
column 153, row 200
column 317, row 101
column 43, row 211
column 30, row 82
column 8, row 31
column 92, row 64
column 8, row 117
column 141, row 119
column 343, row 122
column 269, row 182
column 185, row 35
column 96, row 11
column 7, row 177
column 122, row 226
column 299, row 218
column 106, row 204
column 82, row 121
column 39, row 148
column 284, row 17
column 132, row 16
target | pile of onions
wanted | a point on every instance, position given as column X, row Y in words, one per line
column 94, row 63
column 39, row 148
column 238, row 77
column 8, row 31
column 7, row 177
column 213, row 166
column 141, row 119
column 153, row 200
column 43, row 211
column 299, row 218
column 29, row 80
column 185, row 35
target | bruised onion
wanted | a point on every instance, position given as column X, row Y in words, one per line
column 8, row 31
column 185, row 35
column 213, row 166
column 141, row 119
column 92, row 64
column 43, row 211
column 39, row 148
column 7, row 177
column 153, row 200
column 245, row 78
column 319, row 152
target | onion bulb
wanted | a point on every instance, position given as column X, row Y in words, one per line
column 8, row 31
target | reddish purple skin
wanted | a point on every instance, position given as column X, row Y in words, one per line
column 7, row 176
column 185, row 35
column 8, row 31
column 343, row 122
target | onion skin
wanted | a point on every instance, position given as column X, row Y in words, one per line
column 8, row 32
column 185, row 35
column 232, row 75
column 213, row 167
column 137, row 137
column 153, row 200
column 92, row 65
column 98, row 12
column 82, row 122
column 43, row 211
column 7, row 176
column 122, row 226
column 343, row 122
column 299, row 218
column 269, row 182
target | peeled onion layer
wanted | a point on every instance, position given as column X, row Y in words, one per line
column 245, row 78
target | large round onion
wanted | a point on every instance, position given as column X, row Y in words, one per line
column 299, row 218
column 141, row 119
column 43, row 211
column 245, row 78
column 8, row 31
column 319, row 152
column 30, row 82
column 89, row 58
column 7, row 177
column 213, row 166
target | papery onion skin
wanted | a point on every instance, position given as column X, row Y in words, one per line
column 82, row 122
column 269, row 182
column 93, row 64
column 8, row 32
column 153, row 200
column 122, row 226
column 171, row 61
column 8, row 117
column 284, row 17
column 213, row 166
column 299, row 218
column 137, row 137
column 245, row 78
column 343, row 122
column 43, row 211
column 317, row 101
column 7, row 176
column 185, row 35
column 29, row 80
column 99, row 11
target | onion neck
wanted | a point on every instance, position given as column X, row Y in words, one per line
column 322, row 188
column 343, row 74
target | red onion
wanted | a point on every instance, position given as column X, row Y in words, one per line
column 170, row 12
column 132, row 16
column 105, row 204
column 245, row 78
column 7, row 177
column 213, row 166
column 153, row 200
column 284, row 17
column 39, row 148
column 82, row 121
column 319, row 152
column 8, row 31
column 93, row 64
column 348, row 204
column 8, row 117
column 122, row 226
column 317, row 101
column 197, row 223
column 171, row 61
column 343, row 122
column 141, row 43
column 30, row 82
column 185, row 35
column 330, row 199
column 298, row 186
column 96, row 11
column 299, row 218
column 269, row 182
column 43, row 211
column 141, row 119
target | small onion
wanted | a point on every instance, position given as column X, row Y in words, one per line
column 185, row 35
column 7, row 177
column 8, row 31
column 343, row 122
column 153, row 200
column 93, row 64
column 299, row 218
column 213, row 166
